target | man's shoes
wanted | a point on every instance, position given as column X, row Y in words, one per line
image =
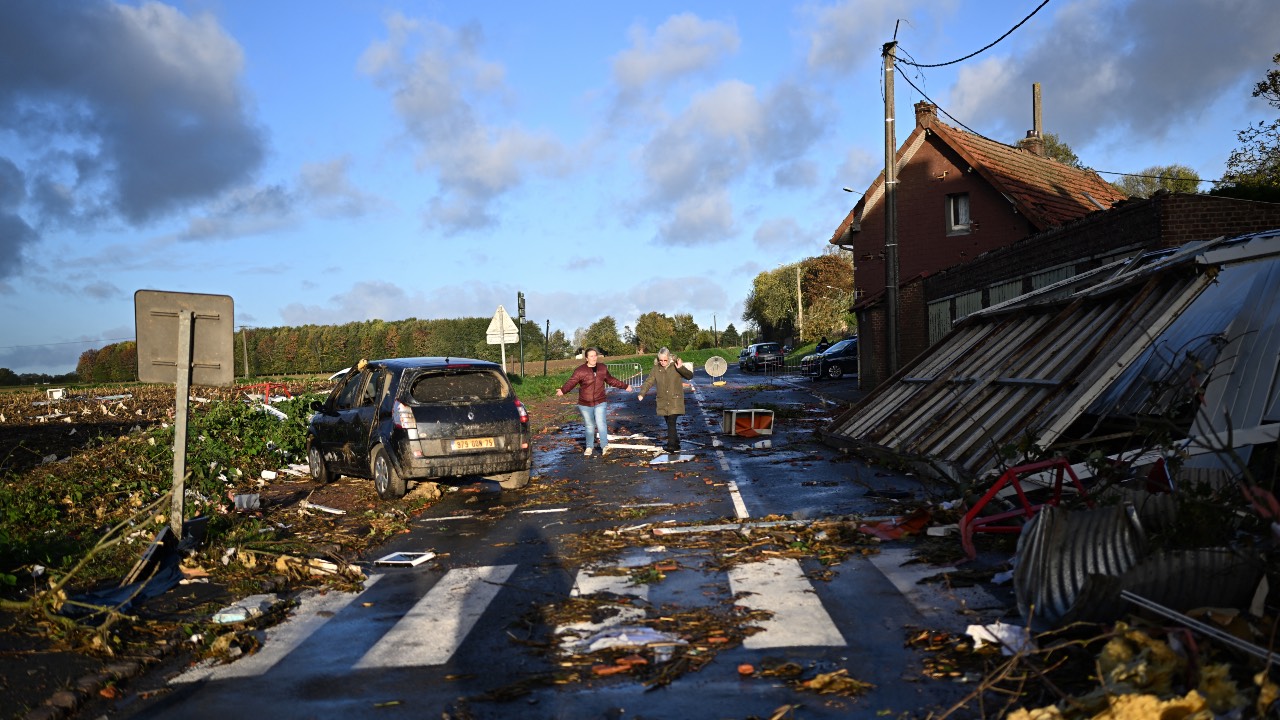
column 588, row 452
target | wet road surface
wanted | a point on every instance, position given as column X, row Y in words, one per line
column 473, row 632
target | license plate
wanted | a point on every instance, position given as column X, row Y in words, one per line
column 473, row 443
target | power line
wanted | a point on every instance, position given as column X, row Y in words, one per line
column 987, row 47
column 984, row 137
column 1154, row 177
column 71, row 342
column 940, row 108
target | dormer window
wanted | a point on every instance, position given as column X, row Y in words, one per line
column 958, row 214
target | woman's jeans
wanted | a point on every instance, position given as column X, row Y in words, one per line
column 594, row 417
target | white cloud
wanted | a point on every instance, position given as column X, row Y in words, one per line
column 439, row 84
column 681, row 46
column 123, row 111
column 1146, row 67
column 329, row 190
column 725, row 132
column 846, row 37
column 694, row 220
column 244, row 212
column 779, row 234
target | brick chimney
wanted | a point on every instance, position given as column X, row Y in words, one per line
column 926, row 114
column 1034, row 142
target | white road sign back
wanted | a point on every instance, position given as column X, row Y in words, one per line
column 502, row 329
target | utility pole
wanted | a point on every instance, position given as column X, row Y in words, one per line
column 799, row 309
column 715, row 336
column 890, row 213
column 520, row 311
column 546, row 347
column 244, row 344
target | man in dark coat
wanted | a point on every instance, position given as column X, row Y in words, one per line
column 668, row 376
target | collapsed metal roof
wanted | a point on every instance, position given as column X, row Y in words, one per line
column 1025, row 370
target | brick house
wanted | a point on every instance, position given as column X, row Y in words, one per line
column 1165, row 220
column 959, row 195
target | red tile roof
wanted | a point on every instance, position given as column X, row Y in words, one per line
column 1047, row 192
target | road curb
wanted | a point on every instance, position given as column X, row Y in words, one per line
column 65, row 703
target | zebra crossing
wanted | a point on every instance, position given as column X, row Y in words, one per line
column 437, row 625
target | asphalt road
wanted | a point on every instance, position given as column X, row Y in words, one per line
column 473, row 632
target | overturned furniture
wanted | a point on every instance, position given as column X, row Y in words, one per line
column 751, row 422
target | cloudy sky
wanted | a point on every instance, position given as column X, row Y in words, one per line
column 355, row 159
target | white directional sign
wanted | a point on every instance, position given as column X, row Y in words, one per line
column 502, row 329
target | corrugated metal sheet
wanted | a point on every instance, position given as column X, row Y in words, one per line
column 984, row 385
column 968, row 304
column 1050, row 277
column 1030, row 367
column 1005, row 291
column 1072, row 565
column 1069, row 560
column 939, row 320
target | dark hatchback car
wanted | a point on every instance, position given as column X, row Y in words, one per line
column 420, row 419
column 835, row 362
column 762, row 356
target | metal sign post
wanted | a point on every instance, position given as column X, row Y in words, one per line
column 186, row 325
column 183, row 338
column 520, row 314
column 502, row 331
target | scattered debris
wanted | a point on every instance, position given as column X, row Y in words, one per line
column 308, row 505
column 412, row 559
column 748, row 423
column 1010, row 639
column 247, row 501
column 248, row 608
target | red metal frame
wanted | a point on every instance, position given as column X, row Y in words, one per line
column 971, row 523
column 265, row 388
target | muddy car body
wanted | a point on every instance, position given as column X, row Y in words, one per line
column 421, row 419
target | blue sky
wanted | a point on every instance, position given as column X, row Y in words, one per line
column 324, row 162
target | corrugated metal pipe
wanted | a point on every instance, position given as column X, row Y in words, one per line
column 1072, row 566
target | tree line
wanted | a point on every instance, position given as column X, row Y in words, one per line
column 10, row 378
column 314, row 349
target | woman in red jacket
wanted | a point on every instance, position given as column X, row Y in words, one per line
column 591, row 378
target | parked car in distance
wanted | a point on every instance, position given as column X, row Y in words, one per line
column 835, row 362
column 762, row 356
column 742, row 359
column 420, row 419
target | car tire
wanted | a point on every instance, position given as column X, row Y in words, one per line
column 386, row 480
column 315, row 461
column 835, row 372
column 513, row 480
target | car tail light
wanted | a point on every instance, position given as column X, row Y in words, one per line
column 404, row 419
column 524, row 420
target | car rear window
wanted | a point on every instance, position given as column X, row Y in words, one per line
column 452, row 386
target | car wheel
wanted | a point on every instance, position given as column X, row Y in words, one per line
column 315, row 461
column 389, row 484
column 513, row 480
column 834, row 372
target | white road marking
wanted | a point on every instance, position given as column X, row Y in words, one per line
column 434, row 629
column 588, row 584
column 778, row 586
column 739, row 504
column 314, row 610
column 574, row 634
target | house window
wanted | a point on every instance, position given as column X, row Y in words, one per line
column 958, row 214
